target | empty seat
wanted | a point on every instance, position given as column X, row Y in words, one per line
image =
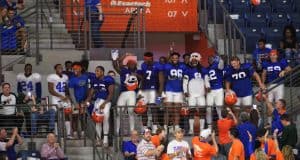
column 240, row 22
column 239, row 6
column 297, row 6
column 294, row 18
column 257, row 20
column 279, row 20
column 282, row 6
column 264, row 7
column 273, row 36
column 297, row 28
column 252, row 35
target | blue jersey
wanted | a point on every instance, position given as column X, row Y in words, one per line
column 274, row 68
column 80, row 86
column 240, row 79
column 195, row 73
column 173, row 77
column 243, row 135
column 124, row 73
column 100, row 86
column 276, row 123
column 261, row 54
column 150, row 75
column 90, row 76
column 215, row 76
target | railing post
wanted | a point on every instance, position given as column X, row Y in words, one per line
column 37, row 54
column 215, row 23
column 144, row 27
column 230, row 38
column 139, row 28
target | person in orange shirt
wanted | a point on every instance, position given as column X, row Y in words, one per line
column 228, row 121
column 237, row 151
column 202, row 149
column 159, row 137
column 267, row 144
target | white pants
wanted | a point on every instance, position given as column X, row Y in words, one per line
column 127, row 98
column 276, row 93
column 174, row 97
column 105, row 111
column 244, row 101
column 149, row 96
column 216, row 98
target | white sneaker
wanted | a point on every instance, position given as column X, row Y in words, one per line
column 105, row 141
column 70, row 137
column 191, row 132
column 82, row 134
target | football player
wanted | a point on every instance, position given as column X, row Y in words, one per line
column 102, row 88
column 173, row 72
column 78, row 89
column 194, row 84
column 272, row 70
column 149, row 72
column 215, row 95
column 128, row 86
column 238, row 78
column 57, row 87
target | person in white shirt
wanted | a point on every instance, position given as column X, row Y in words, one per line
column 9, row 116
column 57, row 87
column 179, row 149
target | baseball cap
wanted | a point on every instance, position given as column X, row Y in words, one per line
column 205, row 133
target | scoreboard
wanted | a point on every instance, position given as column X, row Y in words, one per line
column 160, row 15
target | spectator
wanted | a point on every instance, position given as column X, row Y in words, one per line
column 146, row 149
column 178, row 149
column 186, row 58
column 159, row 137
column 236, row 151
column 289, row 134
column 8, row 35
column 289, row 45
column 288, row 153
column 201, row 147
column 163, row 60
column 15, row 4
column 111, row 73
column 266, row 144
column 129, row 147
column 3, row 15
column 93, row 12
column 10, row 143
column 239, row 78
column 243, row 128
column 273, row 70
column 19, row 23
column 228, row 121
column 38, row 114
column 276, row 112
column 68, row 69
column 10, row 115
column 51, row 149
column 258, row 153
column 260, row 54
column 254, row 116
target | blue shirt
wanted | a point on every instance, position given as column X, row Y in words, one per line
column 124, row 73
column 261, row 54
column 243, row 135
column 240, row 79
column 173, row 77
column 276, row 123
column 92, row 5
column 100, row 86
column 215, row 76
column 80, row 86
column 10, row 151
column 150, row 75
column 129, row 146
column 90, row 76
column 273, row 69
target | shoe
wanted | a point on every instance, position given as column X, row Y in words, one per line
column 191, row 132
column 70, row 137
column 75, row 135
column 105, row 141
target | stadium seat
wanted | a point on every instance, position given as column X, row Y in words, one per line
column 264, row 7
column 278, row 20
column 297, row 6
column 240, row 22
column 239, row 6
column 273, row 36
column 294, row 18
column 257, row 20
column 282, row 6
column 252, row 35
column 298, row 32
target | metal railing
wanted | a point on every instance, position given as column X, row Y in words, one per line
column 234, row 41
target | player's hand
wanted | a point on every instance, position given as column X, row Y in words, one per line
column 229, row 111
column 186, row 94
column 15, row 131
column 282, row 74
column 102, row 106
column 207, row 90
column 250, row 136
column 33, row 109
column 275, row 133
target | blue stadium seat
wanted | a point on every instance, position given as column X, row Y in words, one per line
column 273, row 36
column 252, row 35
column 239, row 6
column 298, row 32
column 282, row 6
column 278, row 20
column 264, row 7
column 257, row 20
column 240, row 22
column 297, row 6
column 294, row 18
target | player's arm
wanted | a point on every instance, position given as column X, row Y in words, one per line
column 53, row 92
column 259, row 81
column 232, row 115
column 89, row 95
column 227, row 85
column 72, row 95
column 285, row 71
column 111, row 89
column 264, row 76
column 161, row 79
column 215, row 144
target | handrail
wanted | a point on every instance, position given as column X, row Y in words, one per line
column 134, row 14
column 48, row 20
